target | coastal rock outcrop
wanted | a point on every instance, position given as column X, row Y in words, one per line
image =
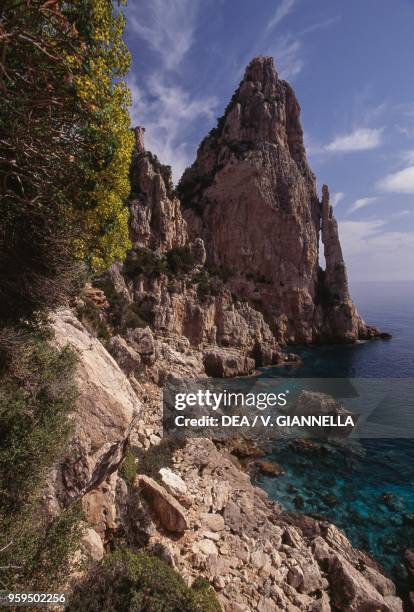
column 225, row 363
column 107, row 410
column 252, row 198
column 214, row 291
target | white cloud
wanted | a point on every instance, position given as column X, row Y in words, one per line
column 405, row 119
column 282, row 11
column 361, row 139
column 288, row 49
column 166, row 111
column 355, row 235
column 287, row 53
column 361, row 203
column 402, row 213
column 321, row 25
column 167, row 26
column 372, row 253
column 399, row 182
column 337, row 197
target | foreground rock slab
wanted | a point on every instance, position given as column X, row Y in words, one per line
column 168, row 510
column 107, row 410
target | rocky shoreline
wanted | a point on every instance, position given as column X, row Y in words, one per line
column 194, row 505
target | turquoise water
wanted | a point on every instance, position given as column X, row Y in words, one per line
column 366, row 488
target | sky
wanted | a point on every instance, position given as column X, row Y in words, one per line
column 351, row 65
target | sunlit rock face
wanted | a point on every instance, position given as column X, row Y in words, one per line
column 156, row 222
column 252, row 198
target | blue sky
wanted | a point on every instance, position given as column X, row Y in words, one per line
column 351, row 65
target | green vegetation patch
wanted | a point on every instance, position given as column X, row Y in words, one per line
column 180, row 260
column 140, row 583
column 176, row 262
column 156, row 457
column 128, row 468
column 37, row 391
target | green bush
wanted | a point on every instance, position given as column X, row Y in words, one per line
column 203, row 287
column 138, row 315
column 180, row 259
column 140, row 583
column 128, row 469
column 39, row 553
column 144, row 261
column 156, row 457
column 37, row 391
column 223, row 272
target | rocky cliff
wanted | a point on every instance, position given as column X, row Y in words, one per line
column 164, row 285
column 251, row 196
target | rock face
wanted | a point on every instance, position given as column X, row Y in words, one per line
column 156, row 221
column 252, row 198
column 165, row 283
column 225, row 363
column 107, row 410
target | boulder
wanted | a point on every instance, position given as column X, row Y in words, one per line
column 269, row 468
column 383, row 584
column 142, row 340
column 213, row 522
column 167, row 509
column 92, row 544
column 226, row 363
column 266, row 354
column 312, row 403
column 351, row 590
column 205, row 547
column 173, row 482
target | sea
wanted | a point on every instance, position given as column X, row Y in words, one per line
column 367, row 488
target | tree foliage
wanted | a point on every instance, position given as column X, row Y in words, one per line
column 65, row 147
column 99, row 87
